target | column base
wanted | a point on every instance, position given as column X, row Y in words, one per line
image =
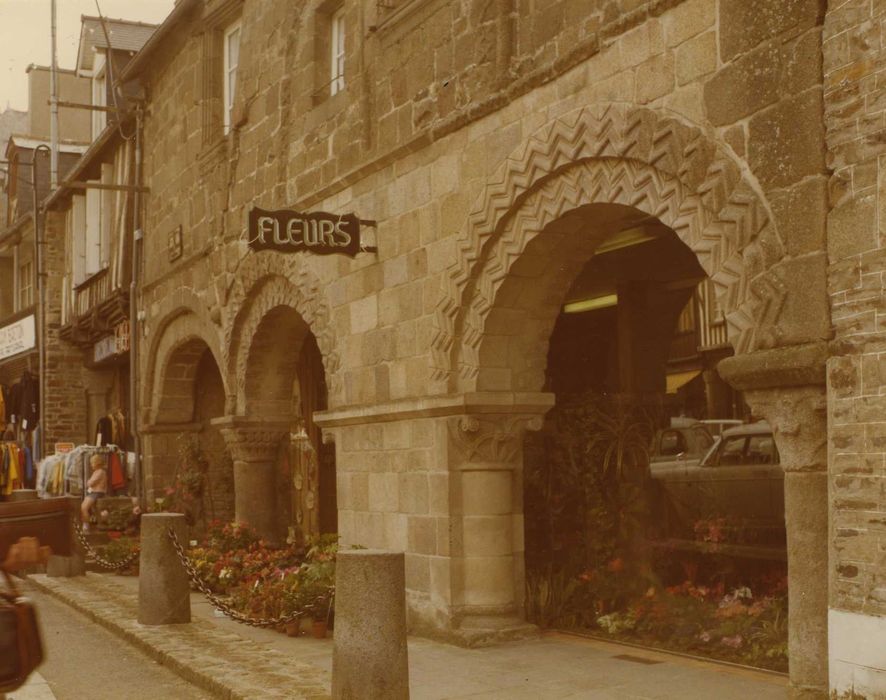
column 471, row 631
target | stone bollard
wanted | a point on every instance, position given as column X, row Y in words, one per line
column 164, row 596
column 369, row 658
column 73, row 563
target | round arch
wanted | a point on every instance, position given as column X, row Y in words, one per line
column 181, row 339
column 267, row 295
column 614, row 154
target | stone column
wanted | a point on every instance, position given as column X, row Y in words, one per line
column 798, row 416
column 254, row 445
column 485, row 455
column 164, row 596
column 369, row 659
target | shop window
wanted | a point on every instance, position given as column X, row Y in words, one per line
column 231, row 63
column 26, row 285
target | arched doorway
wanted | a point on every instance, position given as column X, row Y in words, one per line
column 182, row 440
column 285, row 473
column 632, row 531
column 516, row 262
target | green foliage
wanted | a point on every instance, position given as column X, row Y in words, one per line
column 589, row 563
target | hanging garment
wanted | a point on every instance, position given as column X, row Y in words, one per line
column 29, row 400
column 103, row 431
column 2, row 405
column 117, row 474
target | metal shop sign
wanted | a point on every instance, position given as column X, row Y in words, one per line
column 112, row 345
column 18, row 337
column 315, row 232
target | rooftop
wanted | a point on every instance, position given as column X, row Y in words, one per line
column 122, row 35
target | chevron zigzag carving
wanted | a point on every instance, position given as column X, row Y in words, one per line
column 607, row 154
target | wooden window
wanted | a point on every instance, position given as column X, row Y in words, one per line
column 337, row 49
column 78, row 238
column 231, row 62
column 99, row 97
column 26, row 285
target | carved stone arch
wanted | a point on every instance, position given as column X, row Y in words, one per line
column 181, row 332
column 266, row 294
column 614, row 154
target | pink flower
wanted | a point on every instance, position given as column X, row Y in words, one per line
column 732, row 642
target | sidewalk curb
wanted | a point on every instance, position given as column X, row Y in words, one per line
column 207, row 680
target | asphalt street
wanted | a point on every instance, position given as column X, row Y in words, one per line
column 84, row 660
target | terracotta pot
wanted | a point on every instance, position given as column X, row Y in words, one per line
column 293, row 629
column 318, row 629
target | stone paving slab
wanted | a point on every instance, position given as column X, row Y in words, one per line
column 221, row 662
column 265, row 664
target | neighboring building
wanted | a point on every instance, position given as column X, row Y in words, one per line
column 20, row 315
column 90, row 224
column 11, row 122
column 491, row 152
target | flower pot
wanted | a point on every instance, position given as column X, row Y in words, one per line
column 318, row 629
column 293, row 629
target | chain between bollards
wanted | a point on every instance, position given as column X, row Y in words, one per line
column 229, row 611
column 99, row 559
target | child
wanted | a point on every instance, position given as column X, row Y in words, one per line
column 96, row 487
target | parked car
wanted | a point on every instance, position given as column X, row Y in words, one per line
column 739, row 482
column 684, row 442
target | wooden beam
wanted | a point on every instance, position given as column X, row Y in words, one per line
column 81, row 105
column 83, row 185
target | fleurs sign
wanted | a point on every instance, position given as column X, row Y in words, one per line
column 315, row 232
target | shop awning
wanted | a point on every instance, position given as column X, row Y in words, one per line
column 679, row 379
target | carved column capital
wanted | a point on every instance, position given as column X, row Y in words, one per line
column 252, row 440
column 488, row 438
column 798, row 416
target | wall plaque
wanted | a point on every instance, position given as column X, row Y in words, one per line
column 315, row 232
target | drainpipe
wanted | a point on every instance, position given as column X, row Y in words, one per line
column 133, row 313
column 39, row 226
column 53, row 101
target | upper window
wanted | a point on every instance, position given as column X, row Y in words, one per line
column 231, row 61
column 337, row 55
column 99, row 97
column 26, row 285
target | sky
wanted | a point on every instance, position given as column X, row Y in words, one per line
column 25, row 36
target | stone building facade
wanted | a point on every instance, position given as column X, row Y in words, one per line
column 481, row 137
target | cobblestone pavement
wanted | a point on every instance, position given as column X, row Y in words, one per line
column 557, row 666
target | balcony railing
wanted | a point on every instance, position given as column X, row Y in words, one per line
column 91, row 292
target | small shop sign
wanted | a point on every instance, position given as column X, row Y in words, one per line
column 319, row 232
column 63, row 448
column 18, row 337
column 112, row 345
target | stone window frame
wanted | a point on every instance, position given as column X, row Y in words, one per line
column 337, row 51
column 229, row 91
column 324, row 92
column 219, row 17
column 391, row 12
